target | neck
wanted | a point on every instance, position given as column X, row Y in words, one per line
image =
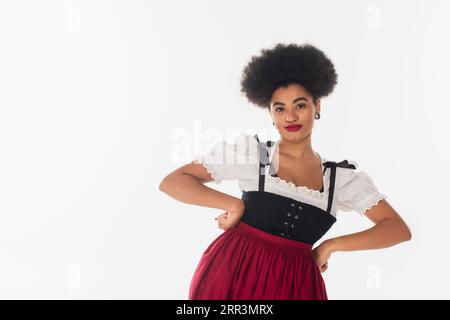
column 299, row 150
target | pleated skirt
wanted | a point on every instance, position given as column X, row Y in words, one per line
column 246, row 263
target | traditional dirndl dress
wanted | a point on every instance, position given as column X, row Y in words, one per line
column 268, row 254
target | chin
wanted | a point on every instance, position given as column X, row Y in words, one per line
column 293, row 138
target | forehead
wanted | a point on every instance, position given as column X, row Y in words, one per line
column 289, row 93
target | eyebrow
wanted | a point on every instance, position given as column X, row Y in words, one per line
column 295, row 100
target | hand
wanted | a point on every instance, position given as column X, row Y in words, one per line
column 322, row 254
column 229, row 219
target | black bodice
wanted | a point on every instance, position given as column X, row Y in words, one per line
column 286, row 217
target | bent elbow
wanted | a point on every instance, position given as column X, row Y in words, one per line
column 163, row 185
column 407, row 235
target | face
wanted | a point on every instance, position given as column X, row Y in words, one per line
column 293, row 105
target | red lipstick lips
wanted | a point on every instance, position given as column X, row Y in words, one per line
column 293, row 127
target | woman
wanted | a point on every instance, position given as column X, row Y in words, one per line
column 290, row 194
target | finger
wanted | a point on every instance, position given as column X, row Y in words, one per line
column 222, row 219
column 220, row 215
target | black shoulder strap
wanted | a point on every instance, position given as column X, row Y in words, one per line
column 263, row 161
column 270, row 144
column 333, row 165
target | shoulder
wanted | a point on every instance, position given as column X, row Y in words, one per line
column 356, row 189
column 352, row 178
column 345, row 169
column 237, row 148
column 230, row 159
column 247, row 142
column 242, row 144
column 346, row 173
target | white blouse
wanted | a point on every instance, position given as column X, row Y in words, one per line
column 354, row 190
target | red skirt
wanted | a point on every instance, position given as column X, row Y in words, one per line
column 246, row 263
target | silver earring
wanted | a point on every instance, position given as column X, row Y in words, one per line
column 317, row 115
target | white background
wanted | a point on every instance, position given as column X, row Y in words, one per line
column 95, row 96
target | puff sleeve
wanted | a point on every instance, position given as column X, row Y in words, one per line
column 357, row 191
column 231, row 161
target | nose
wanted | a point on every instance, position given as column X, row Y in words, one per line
column 291, row 116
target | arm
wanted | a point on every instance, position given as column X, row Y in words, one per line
column 389, row 230
column 186, row 184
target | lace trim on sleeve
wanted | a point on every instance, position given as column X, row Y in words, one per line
column 374, row 201
column 211, row 170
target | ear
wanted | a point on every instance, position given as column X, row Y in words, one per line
column 270, row 112
column 317, row 105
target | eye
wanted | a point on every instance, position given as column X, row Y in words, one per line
column 278, row 108
column 302, row 105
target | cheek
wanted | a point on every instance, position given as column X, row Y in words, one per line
column 308, row 121
column 277, row 117
column 307, row 115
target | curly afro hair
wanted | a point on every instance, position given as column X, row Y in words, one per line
column 287, row 64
